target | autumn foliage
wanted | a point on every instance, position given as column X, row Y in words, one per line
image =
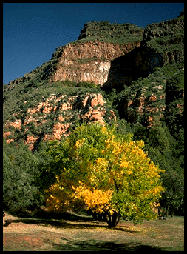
column 105, row 173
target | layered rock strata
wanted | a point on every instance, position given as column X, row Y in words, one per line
column 89, row 61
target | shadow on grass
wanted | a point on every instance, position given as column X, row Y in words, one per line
column 94, row 245
column 67, row 220
column 56, row 220
column 60, row 223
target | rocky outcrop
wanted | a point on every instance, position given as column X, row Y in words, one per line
column 167, row 38
column 162, row 43
column 89, row 58
column 102, row 47
column 89, row 108
column 111, row 32
column 150, row 106
column 131, row 66
column 165, row 28
column 89, row 61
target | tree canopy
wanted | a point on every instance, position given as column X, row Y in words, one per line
column 105, row 173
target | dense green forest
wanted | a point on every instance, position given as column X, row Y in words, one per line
column 25, row 172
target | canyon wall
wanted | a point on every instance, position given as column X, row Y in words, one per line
column 113, row 53
column 89, row 61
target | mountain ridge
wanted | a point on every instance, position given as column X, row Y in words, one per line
column 98, row 63
column 149, row 38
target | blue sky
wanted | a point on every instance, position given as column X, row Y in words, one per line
column 31, row 31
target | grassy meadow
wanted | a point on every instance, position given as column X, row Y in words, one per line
column 79, row 232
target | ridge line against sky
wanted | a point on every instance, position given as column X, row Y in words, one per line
column 32, row 31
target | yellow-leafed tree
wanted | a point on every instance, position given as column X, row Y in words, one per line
column 105, row 173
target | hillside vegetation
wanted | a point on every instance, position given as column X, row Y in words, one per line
column 113, row 33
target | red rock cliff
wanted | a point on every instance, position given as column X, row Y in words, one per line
column 89, row 61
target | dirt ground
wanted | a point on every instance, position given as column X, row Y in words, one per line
column 83, row 233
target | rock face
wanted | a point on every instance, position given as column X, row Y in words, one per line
column 89, row 61
column 90, row 108
column 89, row 58
column 129, row 67
column 149, row 105
column 80, row 62
column 123, row 53
column 165, row 28
column 162, row 43
column 167, row 38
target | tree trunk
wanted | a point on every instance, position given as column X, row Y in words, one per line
column 113, row 220
column 94, row 215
